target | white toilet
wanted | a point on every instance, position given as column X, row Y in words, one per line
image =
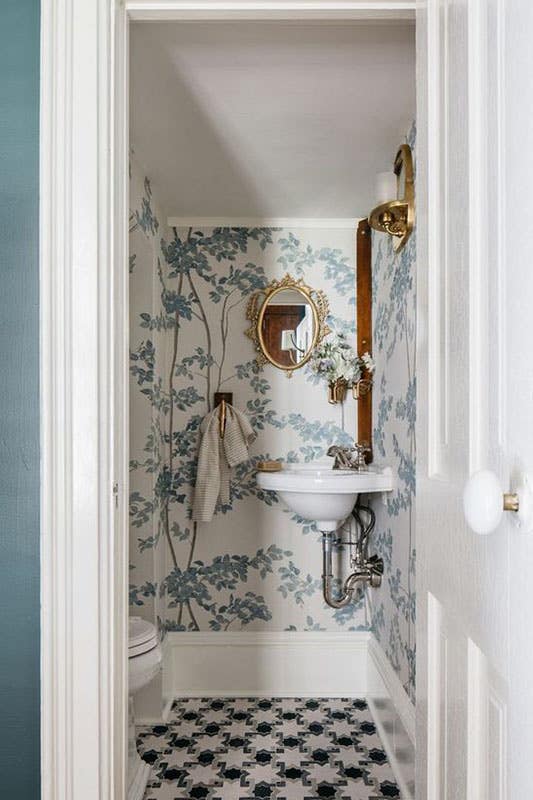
column 144, row 654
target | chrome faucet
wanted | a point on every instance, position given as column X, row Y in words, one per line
column 349, row 457
column 342, row 455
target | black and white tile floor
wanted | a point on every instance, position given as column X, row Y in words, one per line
column 274, row 749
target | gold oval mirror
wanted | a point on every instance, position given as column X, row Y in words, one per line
column 288, row 320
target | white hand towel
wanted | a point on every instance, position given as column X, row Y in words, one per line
column 216, row 457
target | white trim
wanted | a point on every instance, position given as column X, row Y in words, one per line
column 432, row 207
column 157, row 10
column 394, row 715
column 165, row 715
column 477, row 713
column 269, row 664
column 319, row 223
column 83, row 345
column 403, row 705
column 119, row 346
column 137, row 788
column 437, row 689
column 478, row 271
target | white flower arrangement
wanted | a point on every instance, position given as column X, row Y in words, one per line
column 368, row 363
column 335, row 360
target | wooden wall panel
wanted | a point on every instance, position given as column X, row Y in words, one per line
column 364, row 325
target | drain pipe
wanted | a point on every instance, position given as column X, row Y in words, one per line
column 368, row 570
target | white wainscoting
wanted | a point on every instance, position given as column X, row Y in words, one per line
column 394, row 715
column 256, row 664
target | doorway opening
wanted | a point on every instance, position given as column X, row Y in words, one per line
column 256, row 150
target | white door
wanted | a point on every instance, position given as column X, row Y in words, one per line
column 475, row 397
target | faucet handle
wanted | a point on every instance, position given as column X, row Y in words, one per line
column 360, row 450
column 361, row 447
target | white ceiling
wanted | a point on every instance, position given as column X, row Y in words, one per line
column 269, row 119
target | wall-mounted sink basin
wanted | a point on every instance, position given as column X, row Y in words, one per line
column 322, row 494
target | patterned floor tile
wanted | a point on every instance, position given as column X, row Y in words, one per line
column 267, row 749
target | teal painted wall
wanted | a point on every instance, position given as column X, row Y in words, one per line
column 19, row 399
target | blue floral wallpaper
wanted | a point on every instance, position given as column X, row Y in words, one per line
column 394, row 414
column 255, row 566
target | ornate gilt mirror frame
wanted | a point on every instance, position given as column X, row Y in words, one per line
column 258, row 304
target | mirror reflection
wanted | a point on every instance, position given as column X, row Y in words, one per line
column 288, row 327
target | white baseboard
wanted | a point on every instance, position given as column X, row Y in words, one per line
column 153, row 704
column 394, row 715
column 137, row 787
column 167, row 708
column 254, row 664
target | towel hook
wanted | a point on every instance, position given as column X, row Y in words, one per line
column 222, row 418
column 221, row 398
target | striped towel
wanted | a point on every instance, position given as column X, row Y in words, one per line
column 216, row 458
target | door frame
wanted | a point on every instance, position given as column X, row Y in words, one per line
column 84, row 368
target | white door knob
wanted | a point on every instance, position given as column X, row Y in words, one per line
column 484, row 502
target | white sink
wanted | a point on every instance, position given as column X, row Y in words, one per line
column 322, row 494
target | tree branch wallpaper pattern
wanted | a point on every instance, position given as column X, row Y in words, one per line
column 394, row 414
column 256, row 565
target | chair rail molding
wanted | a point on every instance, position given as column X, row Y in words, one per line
column 84, row 363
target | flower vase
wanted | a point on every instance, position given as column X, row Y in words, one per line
column 337, row 390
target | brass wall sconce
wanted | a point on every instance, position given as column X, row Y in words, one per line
column 397, row 216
